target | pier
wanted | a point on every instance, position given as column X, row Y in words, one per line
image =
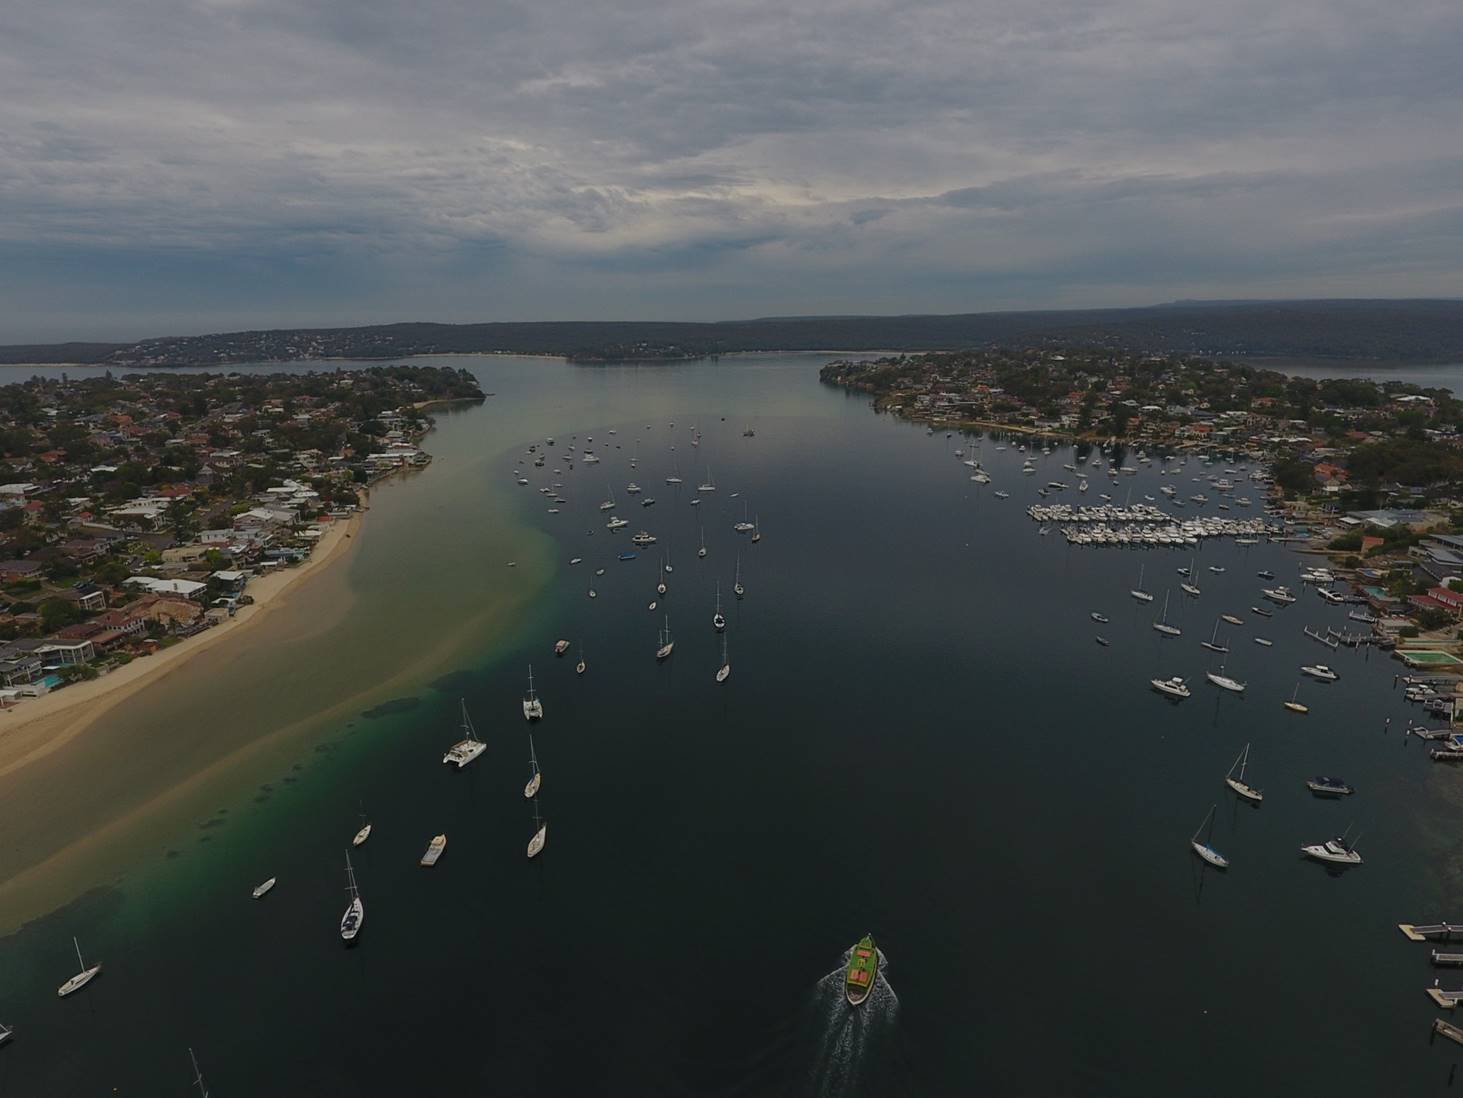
column 1447, row 960
column 1447, row 998
column 1431, row 932
column 1448, row 1030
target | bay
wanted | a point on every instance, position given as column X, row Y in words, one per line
column 919, row 738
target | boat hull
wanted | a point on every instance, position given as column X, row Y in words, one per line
column 79, row 981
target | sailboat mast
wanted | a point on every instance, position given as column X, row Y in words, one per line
column 197, row 1075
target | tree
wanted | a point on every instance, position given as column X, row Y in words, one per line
column 59, row 613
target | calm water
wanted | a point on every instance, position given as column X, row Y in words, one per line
column 919, row 738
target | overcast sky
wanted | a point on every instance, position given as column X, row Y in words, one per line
column 176, row 166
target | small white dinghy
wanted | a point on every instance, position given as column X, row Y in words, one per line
column 434, row 850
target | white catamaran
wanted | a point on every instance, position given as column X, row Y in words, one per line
column 459, row 754
column 533, row 708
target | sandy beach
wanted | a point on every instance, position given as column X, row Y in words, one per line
column 37, row 727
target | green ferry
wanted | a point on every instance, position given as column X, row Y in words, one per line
column 863, row 970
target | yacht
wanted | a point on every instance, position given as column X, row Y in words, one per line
column 581, row 665
column 756, row 529
column 363, row 834
column 710, row 485
column 434, row 850
column 632, row 489
column 535, row 776
column 533, row 708
column 83, row 976
column 1279, row 595
column 1237, row 781
column 1320, row 671
column 1162, row 626
column 643, row 538
column 355, row 912
column 717, row 621
column 260, row 891
column 1262, row 611
column 1224, row 682
column 1138, row 592
column 1206, row 850
column 737, row 589
column 463, row 751
column 560, row 647
column 724, row 671
column 1174, row 687
column 1296, row 706
column 1336, row 851
column 540, row 834
column 1264, row 642
column 1329, row 787
column 1101, row 619
column 1265, row 574
column 617, row 524
column 667, row 643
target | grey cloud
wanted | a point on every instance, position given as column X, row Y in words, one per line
column 534, row 159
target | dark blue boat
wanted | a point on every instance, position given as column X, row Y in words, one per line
column 628, row 556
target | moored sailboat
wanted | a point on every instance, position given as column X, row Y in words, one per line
column 1206, row 850
column 355, row 911
column 1237, row 781
column 724, row 671
column 533, row 708
column 459, row 754
column 83, row 976
column 718, row 622
column 667, row 643
column 540, row 834
column 535, row 776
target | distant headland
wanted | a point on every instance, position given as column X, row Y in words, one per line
column 1412, row 330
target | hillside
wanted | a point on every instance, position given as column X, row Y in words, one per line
column 1411, row 330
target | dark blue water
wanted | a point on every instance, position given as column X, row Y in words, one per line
column 919, row 738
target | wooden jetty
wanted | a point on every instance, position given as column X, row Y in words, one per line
column 1445, row 997
column 1429, row 733
column 1436, row 932
column 1446, row 754
column 1447, row 960
column 1448, row 1030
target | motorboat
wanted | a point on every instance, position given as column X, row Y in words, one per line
column 1320, row 671
column 1174, row 687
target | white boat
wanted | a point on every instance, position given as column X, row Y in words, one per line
column 1264, row 642
column 1224, row 682
column 1002, row 495
column 1280, row 594
column 717, row 621
column 1216, row 569
column 609, row 504
column 560, row 647
column 1101, row 619
column 1237, row 781
column 1336, row 851
column 702, row 551
column 1138, row 592
column 576, row 560
column 355, row 911
column 1162, row 626
column 1232, row 619
column 1174, row 687
column 434, row 850
column 1320, row 671
column 535, row 776
column 643, row 538
column 617, row 524
column 83, row 976
column 652, row 606
column 710, row 485
column 1206, row 849
column 533, row 708
column 464, row 750
column 660, row 587
column 1296, row 706
column 262, row 890
column 756, row 529
column 745, row 526
column 667, row 643
column 724, row 671
column 581, row 665
column 1213, row 642
column 540, row 834
column 5, row 1033
column 737, row 589
column 632, row 488
column 363, row 834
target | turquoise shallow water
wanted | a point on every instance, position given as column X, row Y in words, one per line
column 919, row 738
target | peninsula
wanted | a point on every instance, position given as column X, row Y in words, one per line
column 140, row 512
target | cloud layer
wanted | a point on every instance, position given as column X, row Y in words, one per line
column 185, row 165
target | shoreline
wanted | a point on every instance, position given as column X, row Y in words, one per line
column 37, row 728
